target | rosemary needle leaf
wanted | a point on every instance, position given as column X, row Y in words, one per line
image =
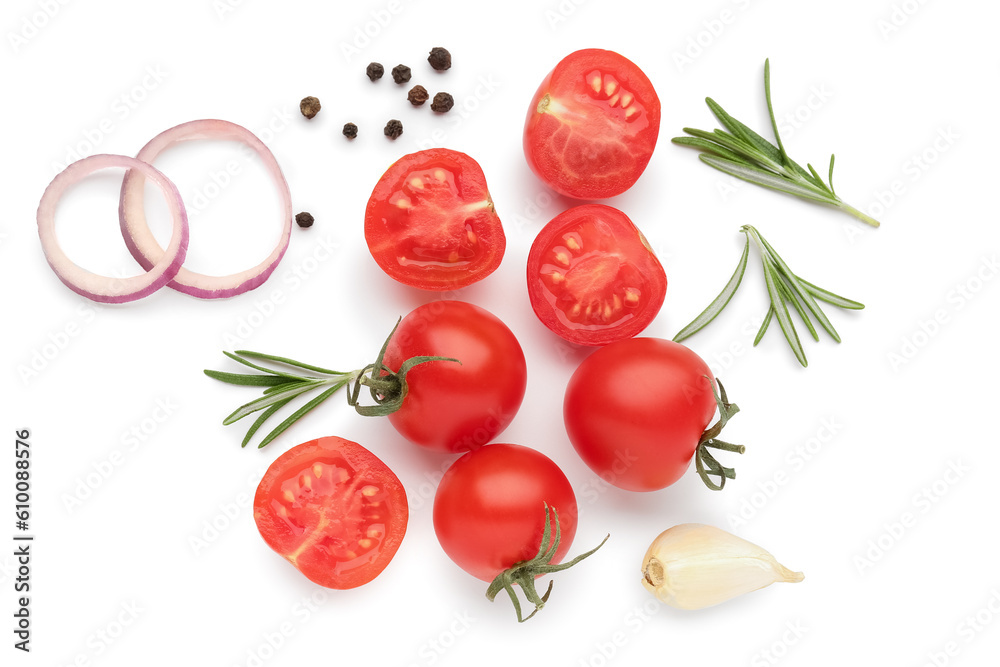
column 730, row 123
column 281, row 387
column 720, row 301
column 781, row 312
column 763, row 178
column 238, row 358
column 763, row 326
column 280, row 428
column 745, row 154
column 830, row 297
column 817, row 179
column 770, row 110
column 247, row 380
column 268, row 400
column 287, row 362
column 764, row 146
column 790, row 297
column 710, row 146
column 770, row 150
column 263, row 418
column 801, row 292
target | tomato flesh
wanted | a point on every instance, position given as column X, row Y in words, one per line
column 489, row 509
column 592, row 125
column 592, row 277
column 635, row 411
column 450, row 406
column 333, row 510
column 430, row 221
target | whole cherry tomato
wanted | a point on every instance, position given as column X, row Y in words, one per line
column 457, row 406
column 636, row 410
column 506, row 514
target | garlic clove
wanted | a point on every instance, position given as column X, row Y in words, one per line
column 693, row 566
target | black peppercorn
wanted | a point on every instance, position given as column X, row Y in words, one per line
column 417, row 95
column 309, row 106
column 400, row 73
column 439, row 59
column 304, row 219
column 443, row 102
column 375, row 71
column 350, row 130
column 393, row 129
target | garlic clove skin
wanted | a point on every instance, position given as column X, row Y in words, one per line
column 693, row 566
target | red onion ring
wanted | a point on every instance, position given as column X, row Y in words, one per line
column 144, row 246
column 106, row 289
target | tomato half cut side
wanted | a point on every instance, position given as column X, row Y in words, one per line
column 592, row 277
column 430, row 222
column 592, row 125
column 333, row 510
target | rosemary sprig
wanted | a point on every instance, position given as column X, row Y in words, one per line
column 285, row 379
column 739, row 151
column 785, row 289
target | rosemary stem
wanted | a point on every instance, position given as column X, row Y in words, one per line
column 863, row 217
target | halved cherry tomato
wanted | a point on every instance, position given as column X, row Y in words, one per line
column 333, row 510
column 430, row 221
column 592, row 125
column 592, row 277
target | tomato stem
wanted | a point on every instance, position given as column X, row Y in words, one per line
column 705, row 462
column 523, row 573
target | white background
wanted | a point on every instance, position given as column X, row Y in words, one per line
column 882, row 84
